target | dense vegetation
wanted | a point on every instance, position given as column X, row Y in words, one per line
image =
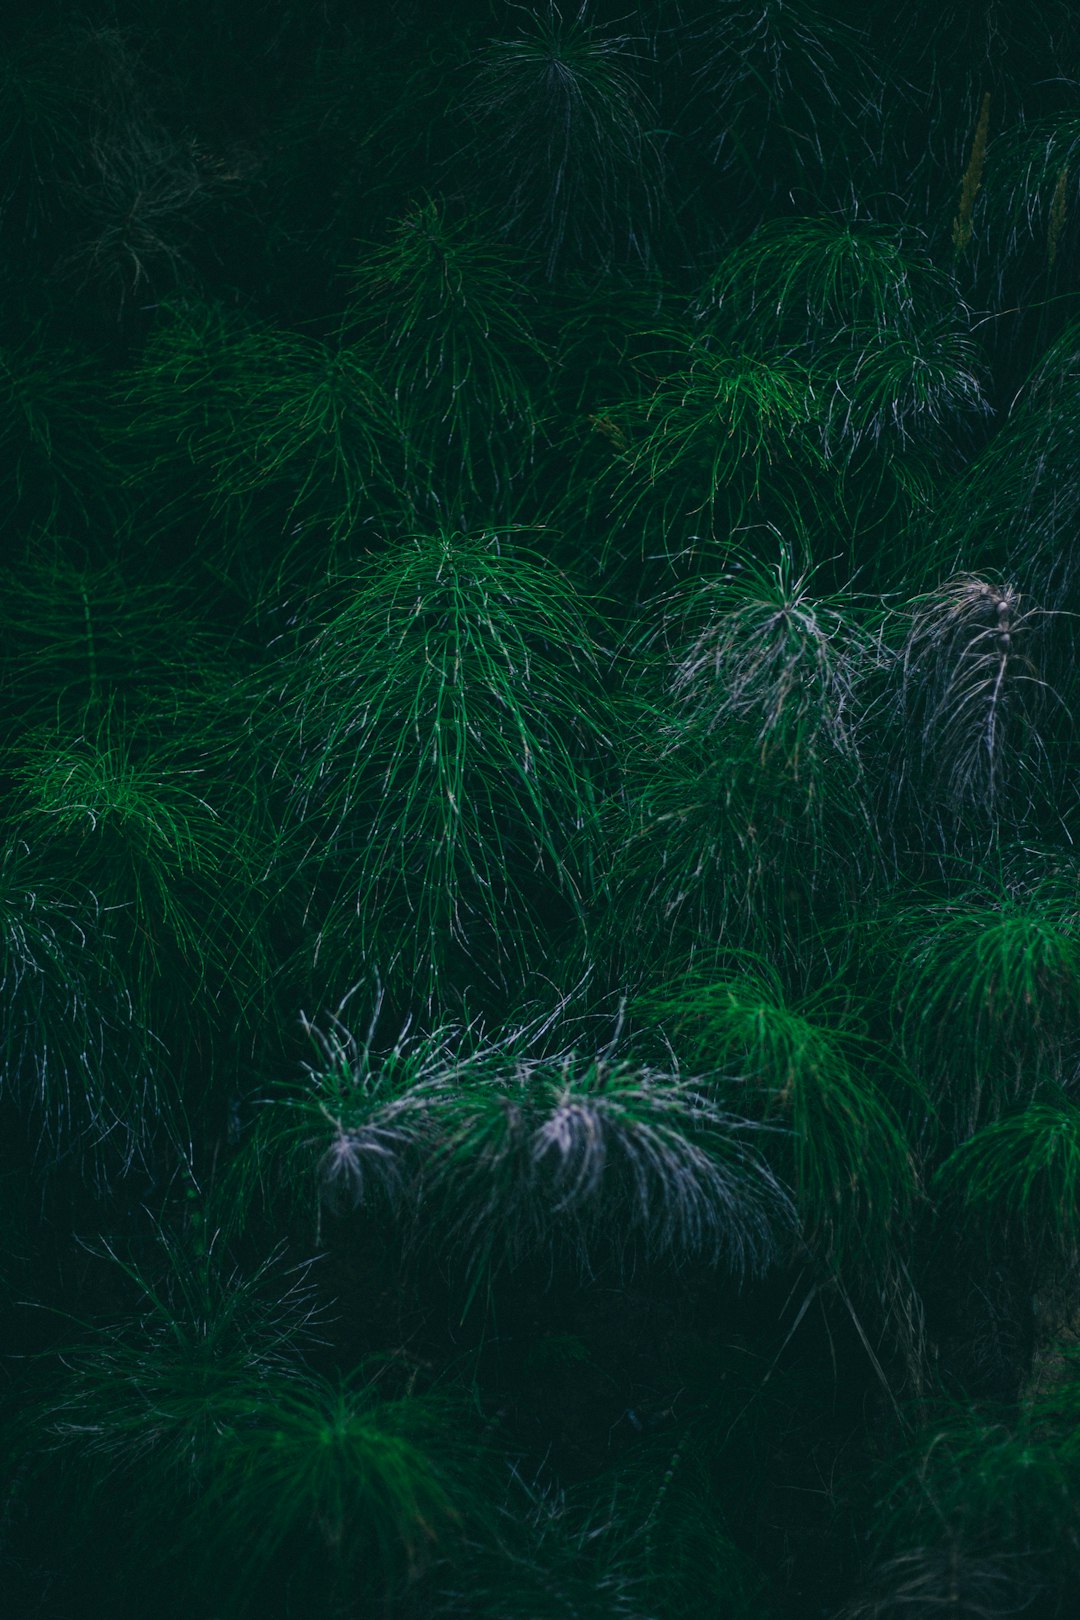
column 539, row 883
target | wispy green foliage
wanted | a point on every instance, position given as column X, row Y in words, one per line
column 199, row 1406
column 782, row 92
column 129, row 816
column 973, row 704
column 83, row 630
column 881, row 330
column 1022, row 1173
column 72, row 1054
column 311, row 430
column 43, row 111
column 566, row 140
column 644, row 1540
column 1031, row 200
column 1016, row 504
column 155, row 1392
column 443, row 717
column 758, row 647
column 712, row 844
column 590, row 1157
column 720, row 422
column 441, row 308
column 815, row 278
column 929, row 1580
column 138, row 212
column 288, row 435
column 510, row 1156
column 363, row 1485
column 808, row 1066
column 743, row 794
column 977, row 1482
column 988, row 991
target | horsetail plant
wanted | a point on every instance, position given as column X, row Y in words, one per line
column 441, row 712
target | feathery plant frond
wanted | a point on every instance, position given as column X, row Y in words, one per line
column 592, row 1157
column 72, row 1052
column 364, row 1485
column 644, row 1540
column 853, row 1169
column 926, row 1582
column 43, row 119
column 798, row 279
column 757, row 647
column 200, row 1406
column 1018, row 502
column 178, row 402
column 1031, row 200
column 981, row 1481
column 710, row 845
column 443, row 711
column 766, row 71
column 883, row 331
column 83, row 630
column 912, row 388
column 988, row 993
column 551, row 1554
column 721, row 421
column 509, row 1155
column 159, row 1388
column 356, row 1133
column 1023, row 1173
column 130, row 817
column 972, row 701
column 311, row 428
column 441, row 308
column 298, row 430
column 138, row 209
column 566, row 139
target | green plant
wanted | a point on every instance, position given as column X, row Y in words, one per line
column 73, row 1055
column 694, row 450
column 154, row 1393
column 86, row 630
column 441, row 712
column 713, row 841
column 972, row 702
column 51, row 411
column 129, row 816
column 805, row 1064
column 974, row 1482
column 781, row 89
column 565, row 139
column 508, row 1156
column 815, row 279
column 362, row 1487
column 1022, row 1173
column 200, row 1405
column 441, row 309
column 987, row 989
column 311, row 430
column 756, row 648
column 138, row 208
column 43, row 112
